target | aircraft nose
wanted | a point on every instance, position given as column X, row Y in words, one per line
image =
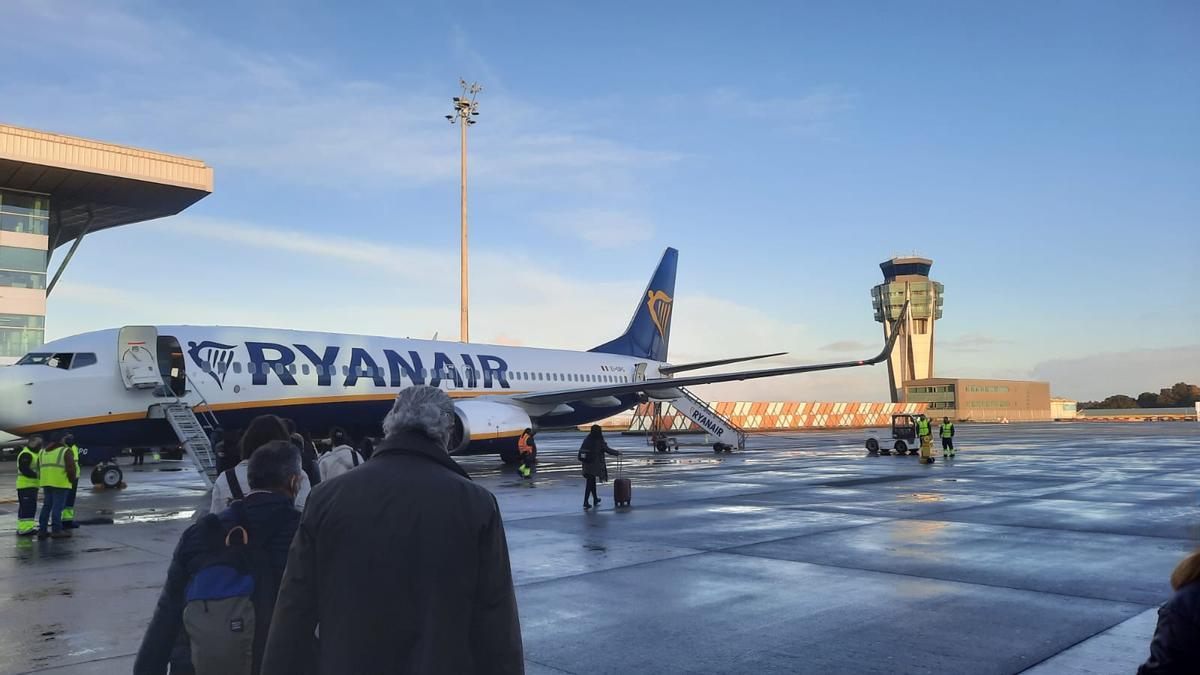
column 13, row 396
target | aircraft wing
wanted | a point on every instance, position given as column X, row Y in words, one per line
column 658, row 384
column 672, row 369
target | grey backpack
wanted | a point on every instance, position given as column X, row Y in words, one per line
column 230, row 598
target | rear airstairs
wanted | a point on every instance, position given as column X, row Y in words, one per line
column 723, row 433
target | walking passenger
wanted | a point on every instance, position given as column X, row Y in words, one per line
column 947, row 433
column 595, row 468
column 221, row 585
column 27, row 487
column 1175, row 647
column 402, row 562
column 308, row 453
column 57, row 470
column 232, row 484
column 68, row 513
column 227, row 449
column 341, row 458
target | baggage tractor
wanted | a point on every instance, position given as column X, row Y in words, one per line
column 622, row 491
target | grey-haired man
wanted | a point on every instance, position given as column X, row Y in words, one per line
column 402, row 563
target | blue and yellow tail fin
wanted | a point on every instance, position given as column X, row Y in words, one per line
column 650, row 328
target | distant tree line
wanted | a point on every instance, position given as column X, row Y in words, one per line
column 1181, row 395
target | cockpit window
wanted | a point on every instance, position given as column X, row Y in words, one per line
column 63, row 360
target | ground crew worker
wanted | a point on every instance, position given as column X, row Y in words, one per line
column 57, row 471
column 947, row 429
column 926, row 436
column 27, row 488
column 527, row 448
column 68, row 513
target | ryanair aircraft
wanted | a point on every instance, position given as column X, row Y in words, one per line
column 108, row 387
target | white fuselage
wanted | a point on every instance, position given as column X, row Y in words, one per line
column 317, row 379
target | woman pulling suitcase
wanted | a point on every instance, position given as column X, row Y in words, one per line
column 591, row 453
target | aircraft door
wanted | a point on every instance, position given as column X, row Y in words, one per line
column 137, row 357
column 639, row 372
column 171, row 364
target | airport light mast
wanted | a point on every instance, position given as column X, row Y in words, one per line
column 465, row 108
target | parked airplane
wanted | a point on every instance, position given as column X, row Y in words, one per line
column 109, row 387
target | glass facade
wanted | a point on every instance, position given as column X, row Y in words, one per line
column 938, row 396
column 22, row 213
column 989, row 404
column 925, row 296
column 980, row 389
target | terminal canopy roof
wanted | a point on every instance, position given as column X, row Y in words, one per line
column 94, row 185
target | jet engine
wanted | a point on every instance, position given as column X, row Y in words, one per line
column 486, row 427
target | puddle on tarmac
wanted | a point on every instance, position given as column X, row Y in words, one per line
column 153, row 517
column 595, row 547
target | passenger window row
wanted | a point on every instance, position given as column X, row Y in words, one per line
column 470, row 373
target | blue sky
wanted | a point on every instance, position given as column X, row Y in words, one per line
column 1045, row 155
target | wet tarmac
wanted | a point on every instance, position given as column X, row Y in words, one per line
column 1043, row 547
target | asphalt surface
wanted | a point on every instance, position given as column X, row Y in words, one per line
column 1043, row 547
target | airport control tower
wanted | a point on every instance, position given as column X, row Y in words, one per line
column 907, row 279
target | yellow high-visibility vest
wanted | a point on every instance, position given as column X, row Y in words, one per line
column 947, row 429
column 923, row 427
column 24, row 481
column 52, row 468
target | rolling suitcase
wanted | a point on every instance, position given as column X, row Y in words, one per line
column 622, row 488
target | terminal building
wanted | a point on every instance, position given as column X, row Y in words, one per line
column 54, row 191
column 981, row 400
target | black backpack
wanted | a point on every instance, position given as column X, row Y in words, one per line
column 230, row 597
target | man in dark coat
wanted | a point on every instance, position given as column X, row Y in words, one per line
column 270, row 516
column 402, row 563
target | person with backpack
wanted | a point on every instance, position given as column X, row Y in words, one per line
column 231, row 484
column 402, row 562
column 340, row 459
column 224, row 576
column 595, row 468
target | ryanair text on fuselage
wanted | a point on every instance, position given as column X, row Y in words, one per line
column 269, row 358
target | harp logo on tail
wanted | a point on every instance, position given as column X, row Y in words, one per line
column 659, row 304
column 213, row 358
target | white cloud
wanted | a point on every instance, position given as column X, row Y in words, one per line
column 278, row 278
column 847, row 346
column 295, row 120
column 1094, row 376
column 600, row 227
column 811, row 113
